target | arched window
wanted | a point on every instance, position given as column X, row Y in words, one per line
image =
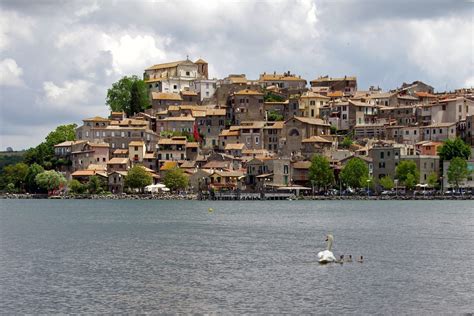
column 294, row 132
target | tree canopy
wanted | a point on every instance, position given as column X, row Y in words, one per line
column 320, row 172
column 354, row 173
column 457, row 171
column 273, row 115
column 387, row 182
column 175, row 179
column 129, row 95
column 406, row 168
column 50, row 180
column 43, row 154
column 16, row 175
column 432, row 180
column 454, row 148
column 138, row 178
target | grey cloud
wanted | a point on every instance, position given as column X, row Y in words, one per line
column 234, row 37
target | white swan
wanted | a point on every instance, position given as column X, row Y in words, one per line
column 327, row 256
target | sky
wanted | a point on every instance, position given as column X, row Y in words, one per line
column 58, row 58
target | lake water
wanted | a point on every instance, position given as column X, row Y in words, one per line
column 244, row 257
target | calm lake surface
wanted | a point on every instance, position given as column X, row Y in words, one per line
column 91, row 256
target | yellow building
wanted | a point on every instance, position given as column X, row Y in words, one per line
column 311, row 102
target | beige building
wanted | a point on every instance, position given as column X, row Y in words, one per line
column 136, row 151
column 438, row 131
column 246, row 105
column 311, row 102
column 175, row 76
column 298, row 128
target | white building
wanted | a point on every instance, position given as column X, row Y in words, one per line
column 175, row 76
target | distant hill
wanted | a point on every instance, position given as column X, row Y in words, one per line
column 10, row 157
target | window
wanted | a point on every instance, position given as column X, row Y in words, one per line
column 175, row 87
column 444, row 107
column 87, row 134
column 207, row 85
column 344, row 107
column 123, row 145
column 344, row 116
column 312, row 112
column 113, row 145
column 122, row 134
column 388, row 154
column 434, row 131
column 187, row 73
column 256, row 140
column 312, row 102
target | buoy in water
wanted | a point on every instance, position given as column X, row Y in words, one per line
column 210, row 210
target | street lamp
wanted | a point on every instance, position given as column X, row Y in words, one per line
column 368, row 181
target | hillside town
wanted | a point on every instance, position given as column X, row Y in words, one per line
column 258, row 136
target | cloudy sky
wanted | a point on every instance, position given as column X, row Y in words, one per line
column 57, row 58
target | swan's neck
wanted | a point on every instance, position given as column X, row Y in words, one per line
column 329, row 244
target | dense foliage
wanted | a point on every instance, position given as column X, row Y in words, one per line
column 454, row 148
column 408, row 173
column 43, row 154
column 355, row 173
column 457, row 171
column 320, row 173
column 129, row 95
column 138, row 178
column 175, row 179
column 50, row 180
column 273, row 116
column 387, row 182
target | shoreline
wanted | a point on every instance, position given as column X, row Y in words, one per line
column 194, row 197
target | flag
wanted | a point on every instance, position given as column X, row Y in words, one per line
column 196, row 132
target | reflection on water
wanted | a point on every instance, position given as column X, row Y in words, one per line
column 244, row 257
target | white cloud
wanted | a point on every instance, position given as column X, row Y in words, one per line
column 131, row 52
column 10, row 73
column 441, row 47
column 68, row 95
column 87, row 9
column 469, row 82
column 134, row 53
column 14, row 27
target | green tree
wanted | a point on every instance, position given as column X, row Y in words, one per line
column 454, row 148
column 33, row 171
column 16, row 175
column 138, row 178
column 346, row 142
column 354, row 172
column 175, row 179
column 129, row 95
column 272, row 97
column 432, row 180
column 320, row 172
column 43, row 154
column 10, row 188
column 410, row 181
column 387, row 182
column 50, row 180
column 273, row 115
column 95, row 185
column 457, row 171
column 76, row 187
column 405, row 168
